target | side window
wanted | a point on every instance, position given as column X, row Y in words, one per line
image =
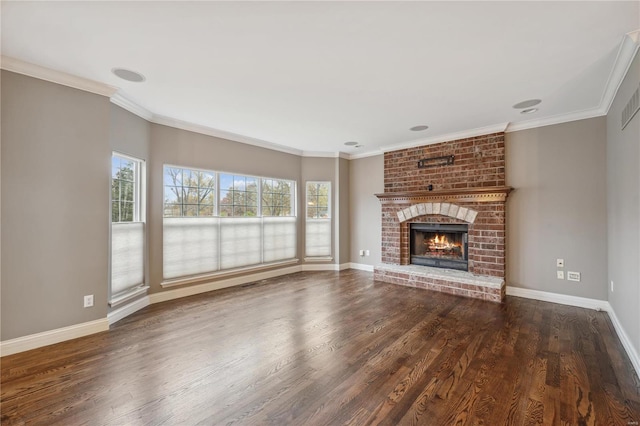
column 318, row 219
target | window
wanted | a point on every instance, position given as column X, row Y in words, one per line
column 124, row 189
column 318, row 220
column 127, row 225
column 238, row 196
column 188, row 192
column 277, row 196
column 242, row 221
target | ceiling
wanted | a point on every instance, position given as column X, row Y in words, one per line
column 310, row 76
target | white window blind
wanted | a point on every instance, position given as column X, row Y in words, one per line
column 190, row 246
column 240, row 242
column 318, row 237
column 127, row 256
column 279, row 238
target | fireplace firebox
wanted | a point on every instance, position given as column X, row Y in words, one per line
column 439, row 245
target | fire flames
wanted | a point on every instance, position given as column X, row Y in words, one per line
column 440, row 242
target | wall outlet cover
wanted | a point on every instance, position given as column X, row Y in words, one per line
column 367, row 253
column 573, row 276
column 560, row 275
column 361, row 252
column 88, row 301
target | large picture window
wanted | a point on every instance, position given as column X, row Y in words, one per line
column 318, row 220
column 127, row 225
column 235, row 221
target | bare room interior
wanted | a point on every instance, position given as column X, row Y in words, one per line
column 320, row 213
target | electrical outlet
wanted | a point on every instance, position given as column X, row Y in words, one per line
column 361, row 252
column 560, row 263
column 88, row 301
column 611, row 286
column 560, row 275
column 367, row 253
column 573, row 276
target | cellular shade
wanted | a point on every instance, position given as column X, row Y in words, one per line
column 279, row 238
column 127, row 256
column 190, row 246
column 318, row 237
column 240, row 242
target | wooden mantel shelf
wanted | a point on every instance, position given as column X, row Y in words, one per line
column 478, row 195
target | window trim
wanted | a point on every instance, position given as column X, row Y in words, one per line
column 329, row 257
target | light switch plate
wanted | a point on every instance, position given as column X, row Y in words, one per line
column 560, row 263
column 560, row 275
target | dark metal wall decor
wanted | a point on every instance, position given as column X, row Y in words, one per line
column 446, row 160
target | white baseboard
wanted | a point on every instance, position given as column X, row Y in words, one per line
column 33, row 341
column 361, row 267
column 562, row 299
column 624, row 338
column 216, row 285
column 51, row 337
column 583, row 302
column 126, row 310
column 325, row 266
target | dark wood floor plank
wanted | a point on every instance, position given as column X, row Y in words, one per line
column 326, row 348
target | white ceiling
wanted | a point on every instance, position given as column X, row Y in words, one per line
column 313, row 75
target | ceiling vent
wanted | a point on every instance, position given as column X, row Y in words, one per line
column 632, row 108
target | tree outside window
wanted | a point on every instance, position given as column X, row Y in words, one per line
column 123, row 189
column 188, row 192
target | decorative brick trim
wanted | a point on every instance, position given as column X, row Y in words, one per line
column 444, row 209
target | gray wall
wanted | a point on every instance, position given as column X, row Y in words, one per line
column 55, row 205
column 343, row 188
column 182, row 148
column 366, row 179
column 558, row 208
column 623, row 190
column 130, row 135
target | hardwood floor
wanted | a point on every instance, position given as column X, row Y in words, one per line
column 328, row 348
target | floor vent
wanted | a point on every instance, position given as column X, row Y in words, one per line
column 631, row 109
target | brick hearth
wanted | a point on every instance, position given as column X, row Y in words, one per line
column 471, row 191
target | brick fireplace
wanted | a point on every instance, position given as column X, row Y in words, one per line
column 469, row 191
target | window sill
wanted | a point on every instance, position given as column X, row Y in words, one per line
column 224, row 274
column 318, row 259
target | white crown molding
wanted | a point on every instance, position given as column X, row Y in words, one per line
column 33, row 341
column 365, row 154
column 556, row 119
column 562, row 299
column 320, row 154
column 123, row 102
column 59, row 77
column 209, row 131
column 626, row 53
column 495, row 128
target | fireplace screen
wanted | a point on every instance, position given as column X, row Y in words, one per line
column 439, row 245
